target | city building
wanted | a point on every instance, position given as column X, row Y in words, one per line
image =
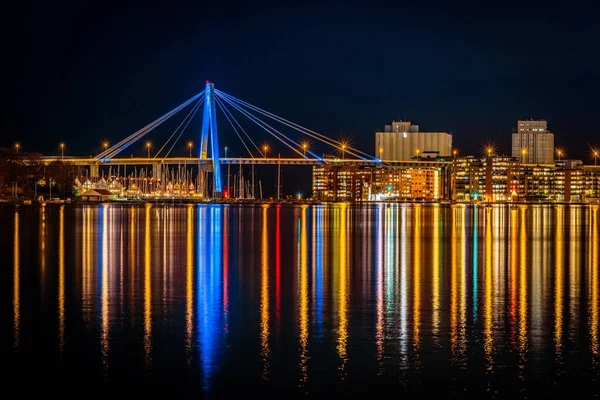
column 466, row 178
column 341, row 182
column 568, row 181
column 592, row 183
column 402, row 141
column 500, row 178
column 535, row 182
column 532, row 143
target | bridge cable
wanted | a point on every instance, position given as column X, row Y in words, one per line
column 235, row 130
column 192, row 112
column 123, row 144
column 237, row 123
column 267, row 128
column 322, row 138
column 197, row 107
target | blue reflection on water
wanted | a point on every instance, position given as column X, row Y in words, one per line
column 209, row 303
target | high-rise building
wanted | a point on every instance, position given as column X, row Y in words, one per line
column 402, row 141
column 532, row 143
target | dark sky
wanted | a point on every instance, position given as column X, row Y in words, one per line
column 86, row 71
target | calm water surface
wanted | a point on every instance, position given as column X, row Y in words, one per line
column 293, row 300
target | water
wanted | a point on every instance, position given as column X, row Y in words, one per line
column 293, row 300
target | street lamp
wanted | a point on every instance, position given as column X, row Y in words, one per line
column 62, row 151
column 17, row 147
column 304, row 146
column 190, row 145
column 596, row 154
column 559, row 153
column 343, row 150
column 454, row 152
column 225, row 151
column 148, row 146
column 381, row 153
column 265, row 148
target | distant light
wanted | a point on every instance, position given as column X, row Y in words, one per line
column 389, row 187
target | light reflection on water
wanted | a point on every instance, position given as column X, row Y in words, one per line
column 306, row 298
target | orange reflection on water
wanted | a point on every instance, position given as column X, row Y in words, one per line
column 513, row 273
column 303, row 306
column 436, row 273
column 189, row 282
column 379, row 334
column 61, row 279
column 147, row 291
column 42, row 244
column 558, row 291
column 523, row 288
column 593, row 287
column 16, row 284
column 488, row 341
column 342, row 291
column 417, row 283
column 453, row 284
column 104, row 336
column 264, row 295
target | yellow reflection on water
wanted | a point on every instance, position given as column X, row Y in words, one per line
column 264, row 295
column 342, row 291
column 189, row 281
column 574, row 246
column 104, row 290
column 417, row 282
column 436, row 273
column 61, row 279
column 379, row 335
column 303, row 337
column 16, row 284
column 594, row 284
column 147, row 290
column 458, row 311
column 513, row 273
column 488, row 341
column 558, row 287
column 523, row 288
column 132, row 258
column 453, row 284
column 85, row 253
column 462, row 323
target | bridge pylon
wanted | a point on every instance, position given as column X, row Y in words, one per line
column 209, row 123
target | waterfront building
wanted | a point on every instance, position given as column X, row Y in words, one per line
column 341, row 182
column 532, row 143
column 402, row 141
column 568, row 181
column 500, row 178
column 592, row 183
column 466, row 178
column 535, row 182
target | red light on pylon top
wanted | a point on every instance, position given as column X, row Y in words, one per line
column 207, row 81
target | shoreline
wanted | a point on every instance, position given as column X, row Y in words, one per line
column 26, row 202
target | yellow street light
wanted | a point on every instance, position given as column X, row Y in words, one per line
column 148, row 146
column 304, row 147
column 596, row 155
column 105, row 145
column 343, row 150
column 265, row 149
column 559, row 152
column 190, row 144
column 62, row 150
column 17, row 147
column 454, row 152
column 381, row 153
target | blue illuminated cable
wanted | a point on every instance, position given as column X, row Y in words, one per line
column 300, row 128
column 266, row 127
column 192, row 111
column 186, row 125
column 305, row 131
column 237, row 123
column 230, row 123
column 123, row 144
column 269, row 129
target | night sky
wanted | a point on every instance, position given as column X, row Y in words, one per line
column 89, row 71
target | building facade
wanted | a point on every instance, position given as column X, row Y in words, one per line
column 402, row 141
column 532, row 143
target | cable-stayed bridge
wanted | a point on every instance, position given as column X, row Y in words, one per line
column 208, row 158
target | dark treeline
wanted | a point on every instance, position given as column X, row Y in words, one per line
column 30, row 174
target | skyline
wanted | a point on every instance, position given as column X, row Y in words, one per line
column 104, row 77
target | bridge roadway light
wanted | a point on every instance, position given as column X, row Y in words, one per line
column 148, row 146
column 62, row 151
column 265, row 148
column 596, row 154
column 190, row 145
column 17, row 147
column 225, row 151
column 343, row 150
